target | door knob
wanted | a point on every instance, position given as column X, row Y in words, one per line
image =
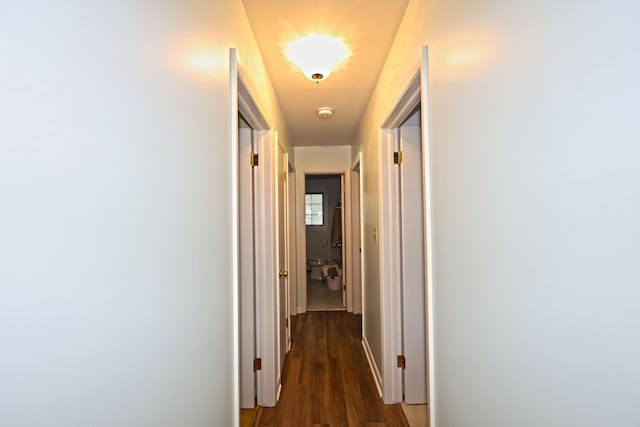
column 284, row 274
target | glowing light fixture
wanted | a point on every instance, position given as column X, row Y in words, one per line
column 317, row 54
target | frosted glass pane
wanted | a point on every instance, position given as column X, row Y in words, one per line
column 316, row 198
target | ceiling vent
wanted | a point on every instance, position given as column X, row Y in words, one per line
column 325, row 112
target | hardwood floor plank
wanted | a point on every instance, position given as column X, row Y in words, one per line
column 326, row 378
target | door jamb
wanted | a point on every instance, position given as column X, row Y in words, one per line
column 417, row 92
column 302, row 237
column 357, row 244
column 242, row 101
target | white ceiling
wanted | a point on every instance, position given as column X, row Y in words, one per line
column 368, row 27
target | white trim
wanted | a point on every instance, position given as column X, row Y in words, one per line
column 356, row 235
column 266, row 271
column 248, row 107
column 281, row 241
column 389, row 229
column 293, row 242
column 287, row 225
column 428, row 204
column 415, row 93
column 266, row 259
column 246, row 263
column 301, row 244
column 362, row 281
column 390, row 298
column 405, row 105
column 377, row 378
column 235, row 283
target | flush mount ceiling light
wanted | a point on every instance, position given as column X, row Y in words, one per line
column 325, row 112
column 317, row 55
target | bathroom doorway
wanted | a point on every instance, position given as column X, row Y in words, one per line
column 324, row 226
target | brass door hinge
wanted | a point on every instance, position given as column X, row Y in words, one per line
column 286, row 322
column 344, row 287
column 397, row 157
column 253, row 160
column 257, row 364
column 284, row 176
column 402, row 363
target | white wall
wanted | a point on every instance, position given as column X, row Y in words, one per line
column 115, row 270
column 535, row 202
column 334, row 157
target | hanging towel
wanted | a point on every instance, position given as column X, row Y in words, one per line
column 336, row 226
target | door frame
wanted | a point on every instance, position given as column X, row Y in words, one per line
column 293, row 254
column 301, row 240
column 267, row 280
column 282, row 237
column 246, row 277
column 265, row 139
column 357, row 272
column 416, row 92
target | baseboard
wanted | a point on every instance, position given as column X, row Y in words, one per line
column 279, row 390
column 377, row 378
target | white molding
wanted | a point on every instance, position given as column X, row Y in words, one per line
column 235, row 283
column 359, row 297
column 265, row 232
column 281, row 248
column 247, row 105
column 266, row 271
column 428, row 230
column 390, row 269
column 301, row 243
column 407, row 102
column 377, row 378
column 415, row 93
column 347, row 256
column 246, row 263
column 292, row 257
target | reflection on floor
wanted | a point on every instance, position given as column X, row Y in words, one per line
column 321, row 298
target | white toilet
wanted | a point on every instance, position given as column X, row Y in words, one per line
column 316, row 267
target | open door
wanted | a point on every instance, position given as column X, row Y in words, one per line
column 412, row 252
column 247, row 267
column 406, row 271
column 256, row 293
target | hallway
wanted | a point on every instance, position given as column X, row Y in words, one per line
column 326, row 379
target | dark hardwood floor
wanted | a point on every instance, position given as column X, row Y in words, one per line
column 327, row 380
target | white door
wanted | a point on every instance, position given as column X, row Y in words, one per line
column 283, row 282
column 412, row 261
column 246, row 267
